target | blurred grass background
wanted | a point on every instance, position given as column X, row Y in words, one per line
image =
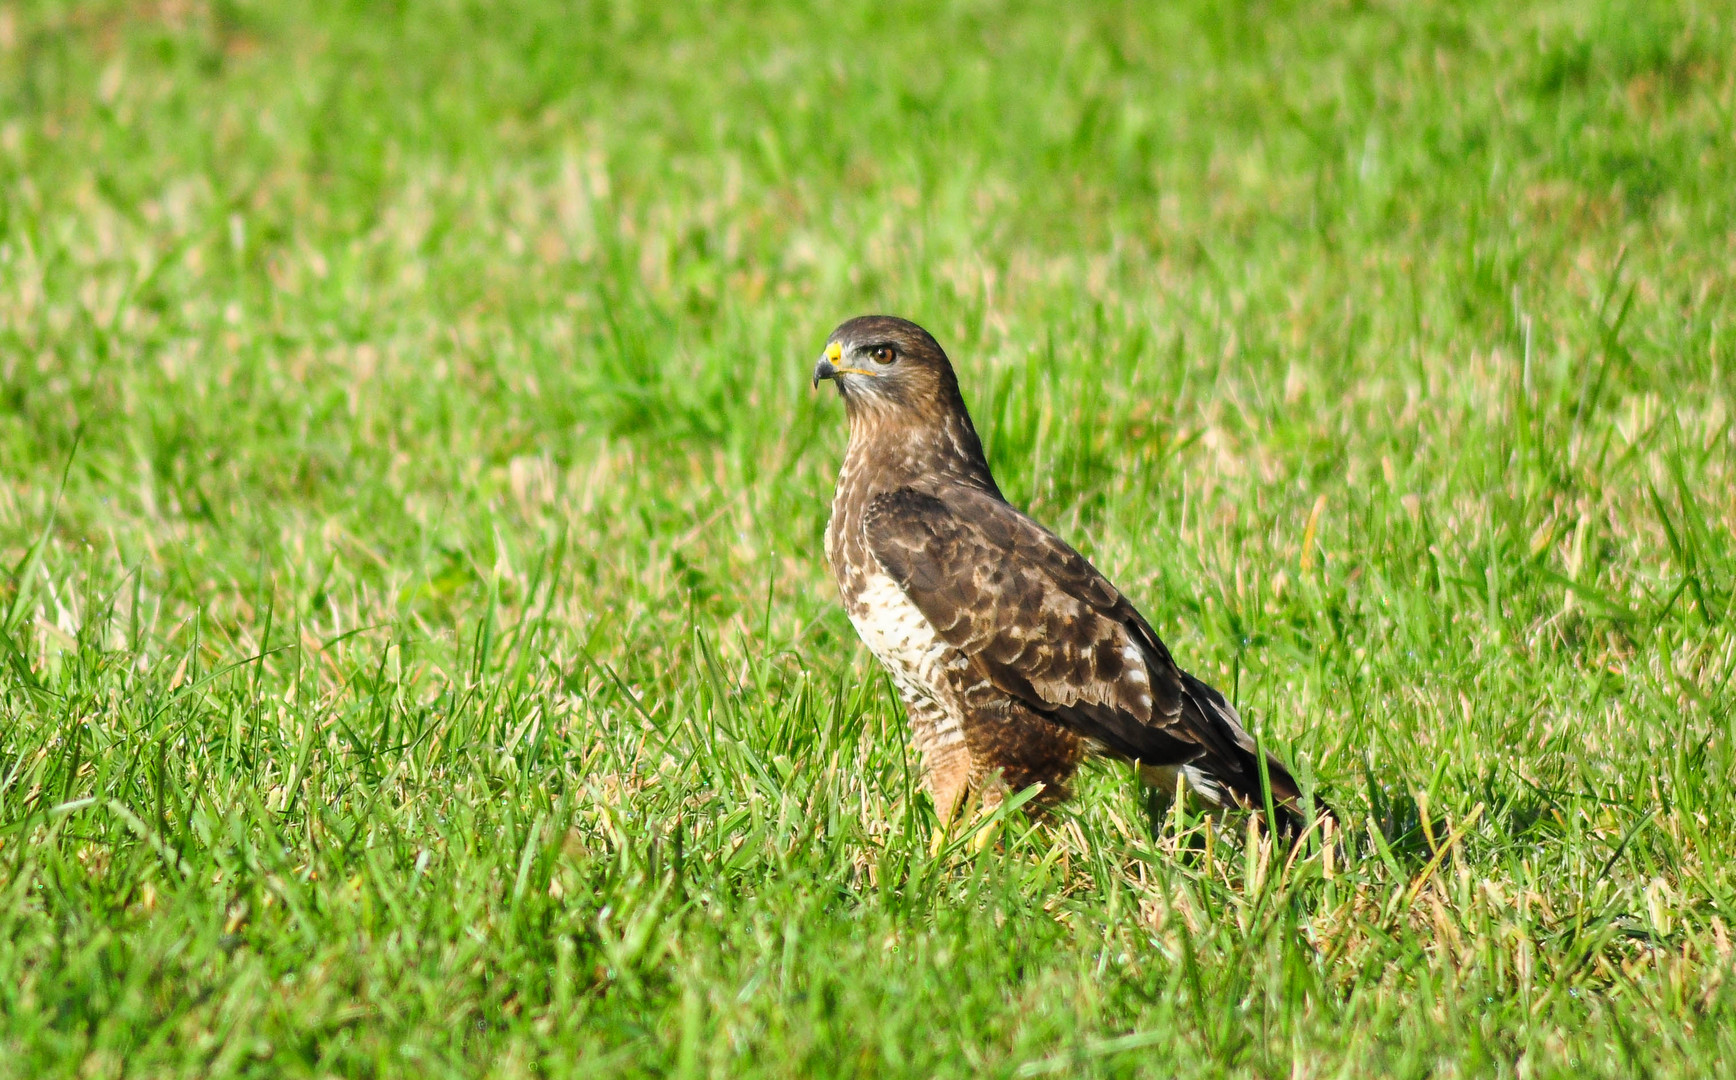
column 418, row 654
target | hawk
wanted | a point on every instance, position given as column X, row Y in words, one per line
column 1013, row 655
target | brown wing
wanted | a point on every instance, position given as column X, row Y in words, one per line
column 1041, row 623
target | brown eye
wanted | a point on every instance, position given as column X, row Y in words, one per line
column 883, row 354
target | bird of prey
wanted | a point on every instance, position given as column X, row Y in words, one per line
column 1013, row 655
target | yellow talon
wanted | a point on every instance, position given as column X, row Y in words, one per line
column 984, row 837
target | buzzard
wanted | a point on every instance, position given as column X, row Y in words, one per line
column 1013, row 655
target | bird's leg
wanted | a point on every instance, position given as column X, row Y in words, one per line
column 1168, row 795
column 949, row 793
column 990, row 792
column 994, row 793
column 946, row 766
column 950, row 790
column 979, row 802
column 1165, row 788
column 987, row 795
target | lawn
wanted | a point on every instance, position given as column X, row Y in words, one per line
column 417, row 657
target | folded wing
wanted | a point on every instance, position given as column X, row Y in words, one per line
column 1041, row 624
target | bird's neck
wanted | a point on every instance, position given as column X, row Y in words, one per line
column 885, row 453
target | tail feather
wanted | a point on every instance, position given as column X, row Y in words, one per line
column 1227, row 773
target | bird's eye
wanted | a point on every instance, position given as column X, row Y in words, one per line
column 884, row 354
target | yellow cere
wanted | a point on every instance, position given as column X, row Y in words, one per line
column 834, row 352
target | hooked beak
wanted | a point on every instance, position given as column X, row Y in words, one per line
column 828, row 367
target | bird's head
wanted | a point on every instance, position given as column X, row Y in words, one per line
column 906, row 413
column 887, row 366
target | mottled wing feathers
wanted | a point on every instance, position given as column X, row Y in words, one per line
column 1035, row 619
column 1040, row 623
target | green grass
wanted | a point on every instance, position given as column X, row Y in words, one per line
column 418, row 657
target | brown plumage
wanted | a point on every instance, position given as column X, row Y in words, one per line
column 1014, row 656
